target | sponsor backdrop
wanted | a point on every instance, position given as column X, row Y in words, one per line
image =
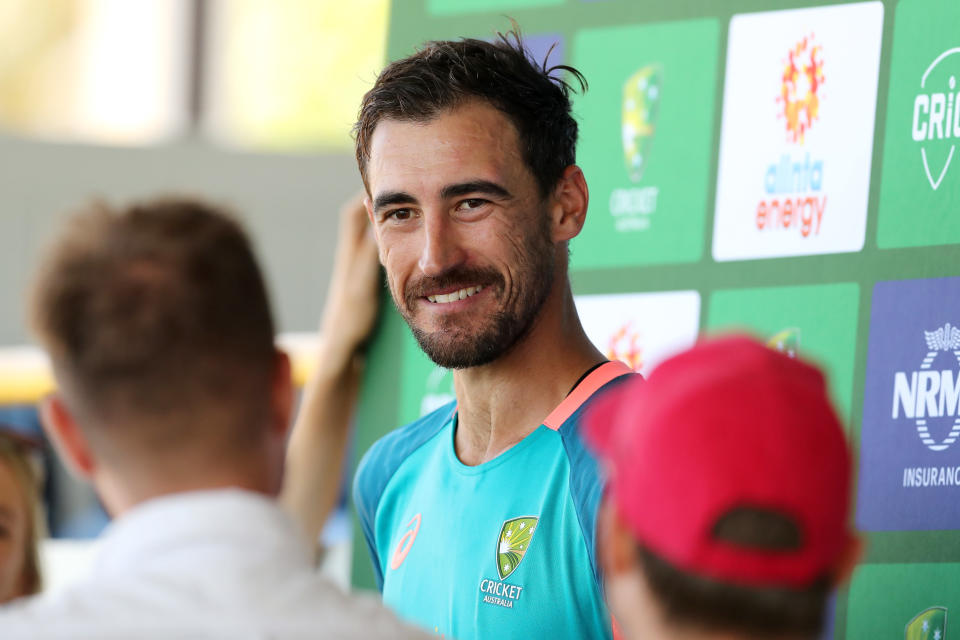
column 789, row 168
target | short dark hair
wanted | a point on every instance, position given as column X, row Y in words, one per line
column 445, row 74
column 690, row 600
column 158, row 313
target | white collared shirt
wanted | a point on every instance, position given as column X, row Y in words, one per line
column 206, row 564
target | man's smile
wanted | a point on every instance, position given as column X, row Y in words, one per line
column 455, row 295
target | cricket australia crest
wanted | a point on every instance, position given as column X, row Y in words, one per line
column 930, row 624
column 515, row 538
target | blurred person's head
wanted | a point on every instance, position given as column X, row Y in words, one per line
column 727, row 509
column 467, row 150
column 19, row 517
column 158, row 325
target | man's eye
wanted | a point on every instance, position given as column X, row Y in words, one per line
column 399, row 215
column 471, row 203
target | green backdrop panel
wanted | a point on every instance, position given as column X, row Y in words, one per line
column 818, row 322
column 886, row 598
column 424, row 386
column 920, row 188
column 453, row 7
column 646, row 139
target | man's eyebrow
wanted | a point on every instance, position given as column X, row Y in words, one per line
column 475, row 186
column 391, row 198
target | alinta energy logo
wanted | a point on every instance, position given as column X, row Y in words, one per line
column 793, row 183
column 936, row 116
column 929, row 624
column 625, row 345
column 632, row 207
column 516, row 536
column 800, row 88
column 930, row 397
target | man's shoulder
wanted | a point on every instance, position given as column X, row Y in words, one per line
column 307, row 606
column 389, row 452
column 572, row 424
column 587, row 481
column 584, row 465
column 355, row 615
column 85, row 609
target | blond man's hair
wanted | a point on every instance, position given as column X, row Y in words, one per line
column 157, row 320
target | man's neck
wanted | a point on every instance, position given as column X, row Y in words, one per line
column 122, row 489
column 501, row 403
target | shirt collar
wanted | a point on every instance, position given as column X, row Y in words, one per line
column 165, row 530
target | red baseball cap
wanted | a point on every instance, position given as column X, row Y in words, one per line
column 728, row 424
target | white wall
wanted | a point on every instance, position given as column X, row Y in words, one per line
column 289, row 202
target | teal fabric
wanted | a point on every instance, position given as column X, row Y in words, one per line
column 381, row 462
column 449, row 581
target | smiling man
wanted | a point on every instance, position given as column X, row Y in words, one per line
column 480, row 517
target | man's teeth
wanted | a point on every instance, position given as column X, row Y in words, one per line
column 454, row 296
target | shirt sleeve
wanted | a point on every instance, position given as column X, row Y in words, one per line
column 380, row 464
column 366, row 498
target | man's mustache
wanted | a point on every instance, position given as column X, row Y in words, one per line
column 457, row 278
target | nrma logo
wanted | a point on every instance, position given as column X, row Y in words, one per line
column 936, row 114
column 794, row 185
column 930, row 393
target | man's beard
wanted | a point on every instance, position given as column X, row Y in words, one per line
column 455, row 347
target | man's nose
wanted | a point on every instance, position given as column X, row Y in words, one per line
column 441, row 245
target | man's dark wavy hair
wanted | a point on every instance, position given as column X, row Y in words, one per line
column 445, row 74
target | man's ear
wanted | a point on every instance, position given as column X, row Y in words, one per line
column 569, row 204
column 373, row 229
column 281, row 394
column 616, row 548
column 368, row 205
column 67, row 438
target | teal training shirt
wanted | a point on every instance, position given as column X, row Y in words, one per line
column 504, row 549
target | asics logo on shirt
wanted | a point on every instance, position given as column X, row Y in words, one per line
column 403, row 547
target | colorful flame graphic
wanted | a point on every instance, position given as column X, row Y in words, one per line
column 624, row 345
column 800, row 88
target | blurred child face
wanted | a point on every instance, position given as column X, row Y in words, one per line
column 14, row 530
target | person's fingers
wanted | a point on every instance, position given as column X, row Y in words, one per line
column 353, row 217
column 352, row 303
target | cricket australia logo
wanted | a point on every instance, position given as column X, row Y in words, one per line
column 515, row 538
column 931, row 394
column 632, row 207
column 516, row 535
column 930, row 624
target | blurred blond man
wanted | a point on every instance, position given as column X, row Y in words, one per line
column 173, row 401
